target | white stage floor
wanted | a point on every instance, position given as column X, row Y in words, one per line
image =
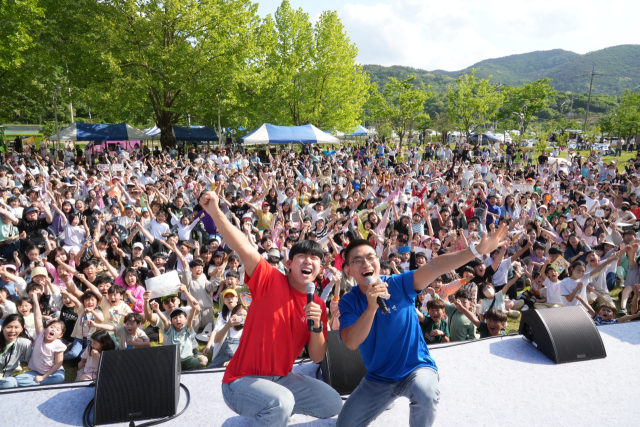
column 496, row 382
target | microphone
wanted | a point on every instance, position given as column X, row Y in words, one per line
column 310, row 291
column 381, row 303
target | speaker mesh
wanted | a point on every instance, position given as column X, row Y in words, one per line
column 137, row 384
column 564, row 334
column 342, row 369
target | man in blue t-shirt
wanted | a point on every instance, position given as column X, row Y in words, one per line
column 395, row 354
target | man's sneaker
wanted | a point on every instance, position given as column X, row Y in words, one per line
column 514, row 314
column 524, row 308
column 203, row 360
column 622, row 311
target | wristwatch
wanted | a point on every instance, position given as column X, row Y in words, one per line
column 475, row 253
column 317, row 330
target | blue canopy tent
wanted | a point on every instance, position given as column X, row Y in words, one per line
column 271, row 134
column 100, row 132
column 194, row 133
column 360, row 131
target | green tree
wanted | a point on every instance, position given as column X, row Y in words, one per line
column 422, row 124
column 158, row 58
column 308, row 73
column 403, row 105
column 473, row 102
column 523, row 103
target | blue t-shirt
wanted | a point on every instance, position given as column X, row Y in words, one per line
column 395, row 347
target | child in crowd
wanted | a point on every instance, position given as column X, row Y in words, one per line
column 179, row 330
column 48, row 350
column 460, row 327
column 576, row 283
column 129, row 335
column 607, row 312
column 226, row 335
column 88, row 367
column 493, row 299
column 493, row 324
column 434, row 328
column 87, row 309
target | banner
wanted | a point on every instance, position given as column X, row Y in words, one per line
column 165, row 284
column 117, row 167
column 102, row 167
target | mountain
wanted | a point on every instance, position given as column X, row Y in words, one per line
column 619, row 64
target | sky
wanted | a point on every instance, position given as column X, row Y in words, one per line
column 455, row 34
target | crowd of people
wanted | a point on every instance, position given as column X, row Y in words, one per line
column 81, row 235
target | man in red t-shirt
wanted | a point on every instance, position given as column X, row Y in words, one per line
column 258, row 383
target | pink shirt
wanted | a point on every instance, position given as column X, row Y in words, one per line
column 53, row 271
column 91, row 367
column 137, row 292
column 43, row 356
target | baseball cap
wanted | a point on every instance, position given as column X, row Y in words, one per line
column 229, row 291
column 274, row 252
column 39, row 271
column 138, row 245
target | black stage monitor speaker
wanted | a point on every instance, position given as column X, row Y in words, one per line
column 342, row 369
column 564, row 334
column 138, row 384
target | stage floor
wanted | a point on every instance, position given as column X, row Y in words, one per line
column 504, row 381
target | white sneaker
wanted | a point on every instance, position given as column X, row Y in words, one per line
column 524, row 308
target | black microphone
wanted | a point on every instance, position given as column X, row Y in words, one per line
column 311, row 288
column 381, row 303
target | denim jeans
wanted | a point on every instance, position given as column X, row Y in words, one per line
column 371, row 398
column 8, row 382
column 270, row 401
column 28, row 378
column 227, row 350
column 75, row 350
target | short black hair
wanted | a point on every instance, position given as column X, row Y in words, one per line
column 555, row 251
column 307, row 247
column 234, row 274
column 117, row 289
column 463, row 293
column 196, row 262
column 137, row 317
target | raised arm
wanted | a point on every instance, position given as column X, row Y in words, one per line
column 232, row 235
column 448, row 262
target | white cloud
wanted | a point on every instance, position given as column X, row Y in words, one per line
column 455, row 34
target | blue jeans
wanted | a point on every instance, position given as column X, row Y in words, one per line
column 227, row 350
column 270, row 401
column 75, row 350
column 8, row 382
column 28, row 378
column 371, row 398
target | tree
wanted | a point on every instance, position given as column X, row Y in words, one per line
column 523, row 103
column 159, row 58
column 402, row 104
column 308, row 73
column 473, row 102
column 422, row 124
column 443, row 125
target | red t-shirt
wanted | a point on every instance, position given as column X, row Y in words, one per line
column 276, row 330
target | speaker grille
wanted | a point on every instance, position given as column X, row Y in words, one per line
column 342, row 369
column 137, row 384
column 564, row 334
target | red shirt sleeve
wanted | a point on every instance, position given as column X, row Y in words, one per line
column 260, row 281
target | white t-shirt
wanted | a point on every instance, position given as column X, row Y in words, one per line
column 568, row 285
column 158, row 229
column 553, row 291
column 221, row 322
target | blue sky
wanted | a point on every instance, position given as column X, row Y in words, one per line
column 454, row 34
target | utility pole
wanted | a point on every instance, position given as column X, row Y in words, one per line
column 592, row 74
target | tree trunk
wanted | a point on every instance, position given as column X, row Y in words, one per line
column 167, row 137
